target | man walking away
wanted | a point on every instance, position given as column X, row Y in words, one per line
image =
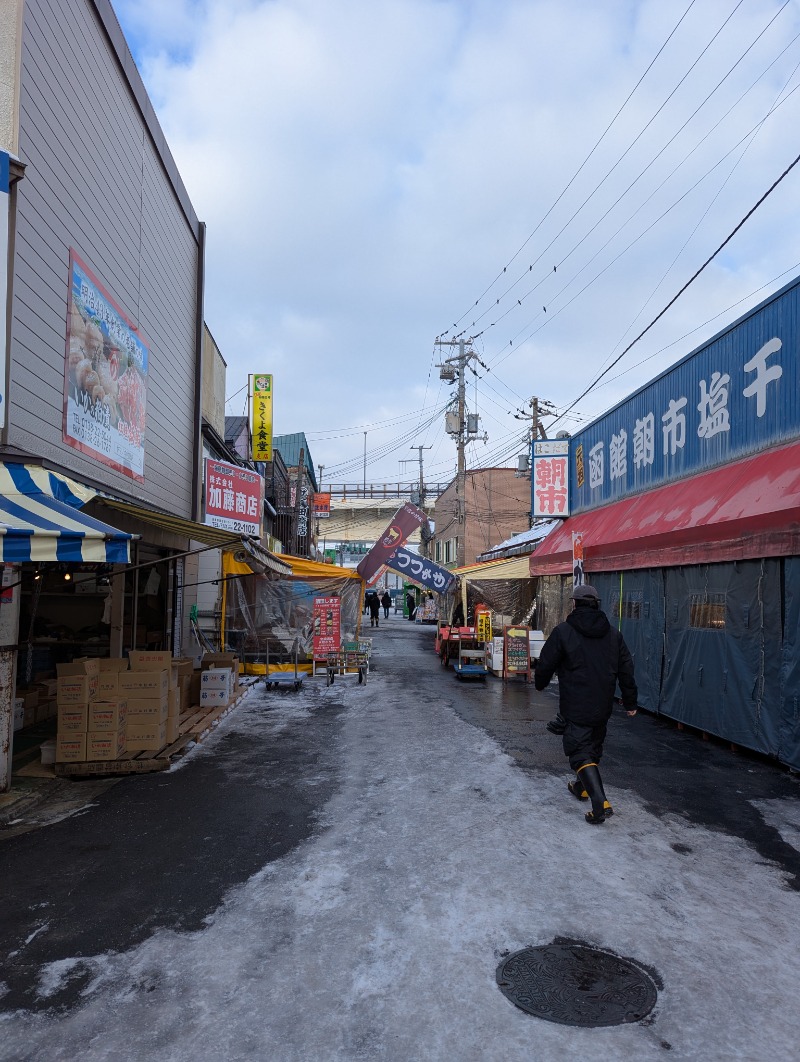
column 589, row 657
column 374, row 609
column 386, row 601
column 411, row 604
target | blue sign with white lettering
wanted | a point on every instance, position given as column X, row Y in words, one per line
column 736, row 395
column 420, row 570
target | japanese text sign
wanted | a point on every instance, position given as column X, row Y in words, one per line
column 234, row 498
column 734, row 396
column 405, row 522
column 261, row 416
column 327, row 612
column 322, row 506
column 420, row 570
column 550, row 477
column 516, row 651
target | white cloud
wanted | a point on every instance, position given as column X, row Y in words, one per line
column 366, row 168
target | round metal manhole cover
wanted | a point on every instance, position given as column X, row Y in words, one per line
column 576, row 984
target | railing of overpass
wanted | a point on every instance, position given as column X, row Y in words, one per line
column 383, row 490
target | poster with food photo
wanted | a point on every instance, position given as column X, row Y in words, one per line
column 105, row 380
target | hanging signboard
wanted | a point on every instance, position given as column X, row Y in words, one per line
column 422, row 571
column 234, row 498
column 261, row 416
column 405, row 522
column 483, row 625
column 578, row 574
column 105, row 377
column 5, row 199
column 516, row 652
column 550, row 477
column 322, row 506
column 327, row 637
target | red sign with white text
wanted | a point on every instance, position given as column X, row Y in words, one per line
column 234, row 498
column 327, row 625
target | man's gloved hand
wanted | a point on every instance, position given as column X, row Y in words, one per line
column 557, row 725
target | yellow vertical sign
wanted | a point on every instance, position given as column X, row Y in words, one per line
column 261, row 416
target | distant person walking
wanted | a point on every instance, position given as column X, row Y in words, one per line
column 386, row 601
column 411, row 604
column 589, row 657
column 374, row 609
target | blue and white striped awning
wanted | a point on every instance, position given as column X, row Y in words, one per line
column 41, row 521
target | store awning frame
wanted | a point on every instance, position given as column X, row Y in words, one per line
column 41, row 521
column 744, row 510
column 212, row 537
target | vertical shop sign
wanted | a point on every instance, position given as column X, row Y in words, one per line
column 516, row 652
column 483, row 625
column 5, row 200
column 105, row 377
column 578, row 574
column 234, row 498
column 550, row 478
column 327, row 613
column 261, row 416
column 405, row 522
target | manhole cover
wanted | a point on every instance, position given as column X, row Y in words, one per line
column 575, row 984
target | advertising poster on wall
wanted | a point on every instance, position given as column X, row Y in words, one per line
column 234, row 498
column 327, row 625
column 105, row 378
column 578, row 574
column 261, row 416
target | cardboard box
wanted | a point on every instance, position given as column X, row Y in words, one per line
column 105, row 745
column 73, row 718
column 108, row 685
column 29, row 698
column 220, row 660
column 48, row 689
column 217, row 678
column 172, row 729
column 145, row 736
column 84, row 665
column 149, row 661
column 183, row 666
column 185, row 692
column 213, row 698
column 76, row 689
column 143, row 711
column 194, row 689
column 174, row 702
column 42, row 712
column 107, row 716
column 144, row 683
column 112, row 663
column 71, row 748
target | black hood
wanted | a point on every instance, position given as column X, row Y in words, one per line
column 590, row 622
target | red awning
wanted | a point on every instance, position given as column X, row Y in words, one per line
column 742, row 511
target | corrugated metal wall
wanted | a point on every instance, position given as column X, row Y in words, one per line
column 94, row 182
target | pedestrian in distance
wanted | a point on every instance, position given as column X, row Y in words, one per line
column 589, row 657
column 374, row 609
column 411, row 605
column 386, row 601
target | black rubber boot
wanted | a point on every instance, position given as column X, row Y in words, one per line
column 577, row 790
column 589, row 775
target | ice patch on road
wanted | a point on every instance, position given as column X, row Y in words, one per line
column 782, row 815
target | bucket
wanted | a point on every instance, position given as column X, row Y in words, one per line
column 49, row 751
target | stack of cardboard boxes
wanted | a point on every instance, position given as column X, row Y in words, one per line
column 90, row 727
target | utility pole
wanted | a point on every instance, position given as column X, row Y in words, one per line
column 425, row 529
column 452, row 367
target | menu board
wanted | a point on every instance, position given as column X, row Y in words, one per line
column 327, row 625
column 516, row 651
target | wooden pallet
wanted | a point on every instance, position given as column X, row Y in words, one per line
column 192, row 727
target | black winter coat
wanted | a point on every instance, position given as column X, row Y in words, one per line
column 589, row 657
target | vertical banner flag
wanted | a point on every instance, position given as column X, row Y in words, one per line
column 5, row 199
column 261, row 416
column 550, row 478
column 578, row 574
column 105, row 376
column 327, row 635
column 405, row 522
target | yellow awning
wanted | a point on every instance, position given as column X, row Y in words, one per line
column 209, row 536
column 507, row 568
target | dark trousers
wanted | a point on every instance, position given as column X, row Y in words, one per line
column 583, row 744
column 385, row 612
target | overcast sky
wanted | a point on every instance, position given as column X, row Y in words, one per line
column 544, row 176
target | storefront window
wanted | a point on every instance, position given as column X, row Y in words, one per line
column 707, row 611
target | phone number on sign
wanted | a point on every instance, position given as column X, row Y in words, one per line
column 239, row 526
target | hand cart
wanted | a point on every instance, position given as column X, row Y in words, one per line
column 284, row 680
column 351, row 659
column 471, row 661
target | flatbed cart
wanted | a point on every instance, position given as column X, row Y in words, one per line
column 284, row 680
column 470, row 663
column 351, row 659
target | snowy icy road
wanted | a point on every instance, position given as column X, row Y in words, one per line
column 431, row 847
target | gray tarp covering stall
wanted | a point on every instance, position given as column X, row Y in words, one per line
column 789, row 729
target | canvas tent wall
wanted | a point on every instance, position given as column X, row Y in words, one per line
column 504, row 585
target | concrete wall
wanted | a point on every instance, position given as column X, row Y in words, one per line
column 10, row 44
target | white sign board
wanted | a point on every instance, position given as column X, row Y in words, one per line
column 550, row 478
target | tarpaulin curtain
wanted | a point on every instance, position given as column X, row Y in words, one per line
column 789, row 730
column 511, row 600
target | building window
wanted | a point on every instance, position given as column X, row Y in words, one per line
column 707, row 612
column 438, row 551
